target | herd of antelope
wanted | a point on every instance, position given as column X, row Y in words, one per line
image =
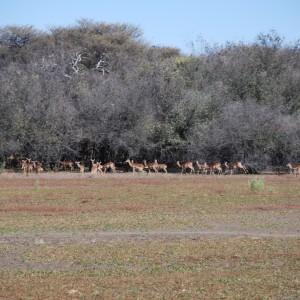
column 149, row 167
column 28, row 166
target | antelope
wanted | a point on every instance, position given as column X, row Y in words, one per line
column 23, row 165
column 151, row 166
column 204, row 167
column 233, row 166
column 80, row 166
column 135, row 166
column 65, row 164
column 161, row 166
column 38, row 167
column 27, row 166
column 94, row 168
column 215, row 166
column 186, row 165
column 109, row 165
column 294, row 168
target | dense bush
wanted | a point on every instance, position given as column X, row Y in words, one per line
column 99, row 90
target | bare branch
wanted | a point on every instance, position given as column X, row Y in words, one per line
column 102, row 65
column 76, row 63
column 75, row 60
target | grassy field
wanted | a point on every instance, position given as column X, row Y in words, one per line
column 166, row 236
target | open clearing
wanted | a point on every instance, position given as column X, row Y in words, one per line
column 167, row 236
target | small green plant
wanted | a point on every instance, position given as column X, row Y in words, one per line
column 257, row 184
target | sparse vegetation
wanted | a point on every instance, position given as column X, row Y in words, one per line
column 257, row 184
column 141, row 236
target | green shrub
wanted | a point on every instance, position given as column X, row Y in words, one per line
column 257, row 184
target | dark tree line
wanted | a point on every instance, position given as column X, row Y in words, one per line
column 96, row 90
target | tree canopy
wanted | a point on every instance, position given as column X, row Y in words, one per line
column 99, row 90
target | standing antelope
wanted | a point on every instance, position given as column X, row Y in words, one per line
column 109, row 165
column 215, row 166
column 94, row 168
column 65, row 164
column 233, row 166
column 37, row 166
column 202, row 167
column 27, row 166
column 135, row 166
column 186, row 165
column 294, row 168
column 151, row 166
column 80, row 166
column 161, row 166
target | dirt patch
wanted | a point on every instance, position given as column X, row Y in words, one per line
column 269, row 207
column 58, row 238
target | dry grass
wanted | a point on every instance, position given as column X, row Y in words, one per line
column 142, row 202
column 231, row 268
column 168, row 236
